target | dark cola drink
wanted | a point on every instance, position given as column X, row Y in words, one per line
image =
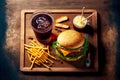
column 42, row 26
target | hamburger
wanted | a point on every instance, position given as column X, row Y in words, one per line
column 71, row 45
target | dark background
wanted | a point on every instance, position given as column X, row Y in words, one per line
column 109, row 14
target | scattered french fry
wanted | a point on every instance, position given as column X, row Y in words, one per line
column 39, row 54
column 61, row 19
column 61, row 25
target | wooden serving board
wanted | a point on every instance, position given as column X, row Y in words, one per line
column 59, row 66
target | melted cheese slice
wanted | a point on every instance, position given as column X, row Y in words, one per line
column 66, row 52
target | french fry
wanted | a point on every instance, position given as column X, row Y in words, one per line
column 33, row 62
column 59, row 25
column 61, row 19
column 45, row 65
column 39, row 54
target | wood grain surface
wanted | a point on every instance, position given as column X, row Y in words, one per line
column 27, row 32
column 106, row 27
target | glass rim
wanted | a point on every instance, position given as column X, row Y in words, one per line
column 35, row 14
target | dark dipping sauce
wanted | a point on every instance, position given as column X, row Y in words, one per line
column 42, row 25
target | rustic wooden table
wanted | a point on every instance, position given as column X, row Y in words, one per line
column 107, row 38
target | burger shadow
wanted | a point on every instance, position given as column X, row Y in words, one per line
column 101, row 59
